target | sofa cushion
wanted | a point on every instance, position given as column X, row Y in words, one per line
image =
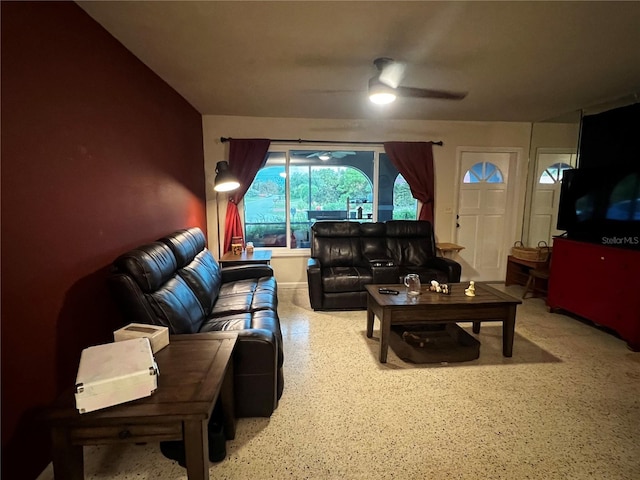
column 345, row 279
column 204, row 277
column 149, row 265
column 185, row 244
column 259, row 324
column 250, row 295
column 373, row 239
column 336, row 244
column 410, row 242
column 176, row 306
column 258, row 285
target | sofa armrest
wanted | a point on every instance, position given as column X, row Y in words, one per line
column 386, row 274
column 379, row 261
column 383, row 269
column 244, row 272
column 314, row 279
column 453, row 268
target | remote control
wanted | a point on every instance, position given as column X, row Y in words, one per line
column 388, row 291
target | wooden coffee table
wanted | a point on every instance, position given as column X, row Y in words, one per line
column 194, row 370
column 489, row 304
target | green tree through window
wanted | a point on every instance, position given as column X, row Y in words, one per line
column 404, row 205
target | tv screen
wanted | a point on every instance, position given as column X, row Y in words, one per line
column 601, row 205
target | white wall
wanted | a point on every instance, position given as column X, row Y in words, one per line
column 291, row 270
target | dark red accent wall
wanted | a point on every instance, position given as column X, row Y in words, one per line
column 98, row 155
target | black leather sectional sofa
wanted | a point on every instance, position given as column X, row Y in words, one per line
column 176, row 282
column 346, row 256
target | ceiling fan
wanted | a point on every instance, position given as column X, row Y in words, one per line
column 326, row 155
column 385, row 87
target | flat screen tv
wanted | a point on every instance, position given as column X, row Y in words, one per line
column 601, row 205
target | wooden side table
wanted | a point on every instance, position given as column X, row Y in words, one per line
column 518, row 270
column 195, row 369
column 448, row 249
column 255, row 257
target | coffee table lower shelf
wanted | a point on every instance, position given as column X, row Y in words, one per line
column 433, row 343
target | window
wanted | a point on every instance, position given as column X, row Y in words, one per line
column 265, row 205
column 404, row 205
column 297, row 187
column 553, row 173
column 483, row 172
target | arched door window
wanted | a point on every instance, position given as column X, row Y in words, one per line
column 553, row 173
column 483, row 172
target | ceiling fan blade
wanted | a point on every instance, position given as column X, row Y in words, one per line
column 330, row 153
column 341, row 154
column 428, row 93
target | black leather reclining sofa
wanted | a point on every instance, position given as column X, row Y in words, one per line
column 346, row 256
column 175, row 282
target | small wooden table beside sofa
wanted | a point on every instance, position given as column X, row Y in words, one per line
column 195, row 371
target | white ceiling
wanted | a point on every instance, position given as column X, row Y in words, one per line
column 519, row 61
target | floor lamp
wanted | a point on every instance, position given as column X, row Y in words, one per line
column 225, row 182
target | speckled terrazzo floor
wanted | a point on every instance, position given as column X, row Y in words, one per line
column 565, row 406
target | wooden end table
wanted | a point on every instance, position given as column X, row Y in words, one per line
column 194, row 370
column 448, row 250
column 518, row 270
column 489, row 304
column 255, row 257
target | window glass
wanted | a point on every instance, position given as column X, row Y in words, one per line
column 553, row 173
column 405, row 207
column 395, row 200
column 483, row 172
column 265, row 204
column 328, row 185
column 298, row 187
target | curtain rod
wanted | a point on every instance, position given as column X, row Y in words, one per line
column 332, row 142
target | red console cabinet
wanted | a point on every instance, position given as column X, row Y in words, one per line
column 597, row 282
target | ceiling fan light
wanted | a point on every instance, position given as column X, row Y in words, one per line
column 382, row 98
column 324, row 156
column 379, row 93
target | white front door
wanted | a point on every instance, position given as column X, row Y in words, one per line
column 546, row 193
column 485, row 212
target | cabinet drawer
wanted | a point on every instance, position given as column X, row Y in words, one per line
column 125, row 433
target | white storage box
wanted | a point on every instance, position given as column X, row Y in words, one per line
column 158, row 336
column 115, row 373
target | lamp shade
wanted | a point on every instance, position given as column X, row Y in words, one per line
column 225, row 180
column 380, row 93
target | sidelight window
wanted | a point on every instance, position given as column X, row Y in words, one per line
column 553, row 173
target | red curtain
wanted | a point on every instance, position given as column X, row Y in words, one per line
column 246, row 157
column 414, row 160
